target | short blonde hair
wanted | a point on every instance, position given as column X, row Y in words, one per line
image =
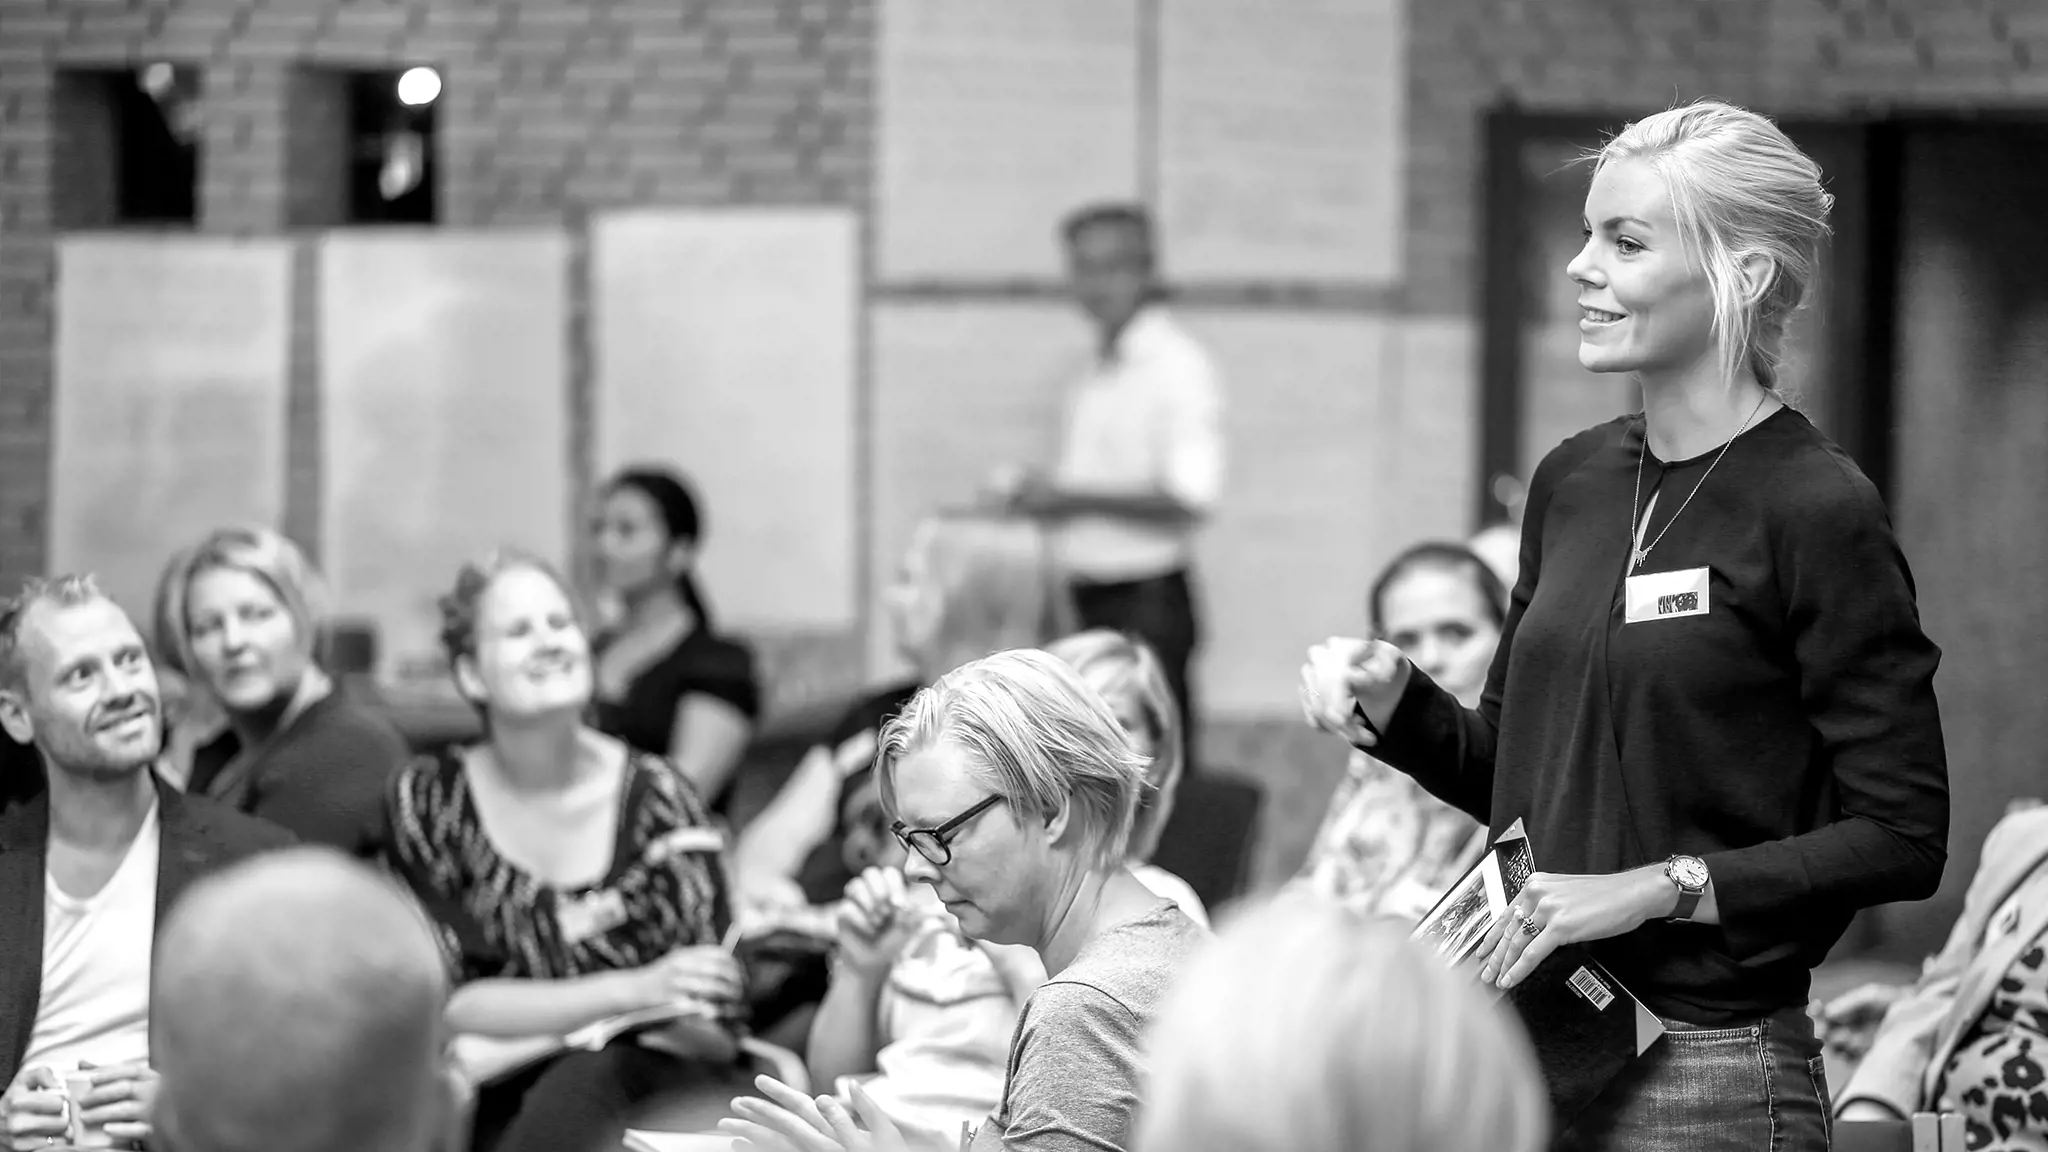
column 1037, row 736
column 1116, row 664
column 1740, row 191
column 265, row 554
column 997, row 585
column 1307, row 1027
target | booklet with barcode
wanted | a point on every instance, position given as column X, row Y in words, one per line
column 1584, row 1025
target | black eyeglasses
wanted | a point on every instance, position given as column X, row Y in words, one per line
column 936, row 844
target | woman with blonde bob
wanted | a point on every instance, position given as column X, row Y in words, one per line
column 1128, row 676
column 1309, row 1027
column 1712, row 703
column 1013, row 788
column 238, row 615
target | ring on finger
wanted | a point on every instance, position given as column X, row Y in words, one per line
column 1529, row 926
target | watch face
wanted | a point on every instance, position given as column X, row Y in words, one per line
column 1689, row 871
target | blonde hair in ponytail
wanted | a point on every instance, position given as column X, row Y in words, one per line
column 1751, row 211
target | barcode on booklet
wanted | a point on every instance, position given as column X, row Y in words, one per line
column 1597, row 994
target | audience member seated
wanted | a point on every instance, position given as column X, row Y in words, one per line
column 572, row 878
column 970, row 584
column 919, row 1015
column 237, row 615
column 93, row 848
column 1310, row 1027
column 1386, row 846
column 1126, row 673
column 1972, row 1035
column 667, row 683
column 299, row 1000
column 1013, row 787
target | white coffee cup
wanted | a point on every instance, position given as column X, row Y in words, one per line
column 78, row 1085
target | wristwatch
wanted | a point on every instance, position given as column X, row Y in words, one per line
column 1689, row 873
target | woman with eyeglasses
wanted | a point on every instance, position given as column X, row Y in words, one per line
column 1013, row 787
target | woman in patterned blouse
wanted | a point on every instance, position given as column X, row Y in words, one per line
column 1972, row 1035
column 571, row 878
column 1386, row 847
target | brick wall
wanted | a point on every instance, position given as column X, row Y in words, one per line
column 1632, row 56
column 549, row 110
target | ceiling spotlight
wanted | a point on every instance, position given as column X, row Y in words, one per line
column 419, row 87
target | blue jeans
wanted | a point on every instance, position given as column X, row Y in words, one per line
column 1755, row 1088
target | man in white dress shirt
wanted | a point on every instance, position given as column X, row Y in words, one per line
column 92, row 848
column 1142, row 459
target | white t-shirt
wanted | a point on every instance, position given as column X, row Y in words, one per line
column 1148, row 419
column 96, row 952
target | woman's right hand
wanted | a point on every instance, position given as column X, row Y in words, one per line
column 705, row 973
column 1342, row 672
column 34, row 1110
column 875, row 921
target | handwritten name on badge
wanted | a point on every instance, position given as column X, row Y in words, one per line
column 1667, row 595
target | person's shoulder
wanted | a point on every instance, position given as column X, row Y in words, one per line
column 217, row 832
column 425, row 783
column 1576, row 449
column 1132, row 962
column 719, row 650
column 1813, row 477
column 1172, row 354
column 357, row 735
column 658, row 782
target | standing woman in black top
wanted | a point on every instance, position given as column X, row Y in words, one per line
column 667, row 683
column 1712, row 703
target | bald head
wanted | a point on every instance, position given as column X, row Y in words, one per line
column 296, row 1007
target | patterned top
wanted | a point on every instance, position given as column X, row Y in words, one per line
column 1996, row 1075
column 665, row 889
column 1388, row 848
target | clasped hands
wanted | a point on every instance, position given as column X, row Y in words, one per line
column 39, row 1112
column 789, row 1121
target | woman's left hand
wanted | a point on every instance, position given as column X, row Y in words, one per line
column 1552, row 911
column 789, row 1121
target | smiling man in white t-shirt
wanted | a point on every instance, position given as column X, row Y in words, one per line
column 92, row 849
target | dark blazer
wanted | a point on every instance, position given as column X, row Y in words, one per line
column 197, row 836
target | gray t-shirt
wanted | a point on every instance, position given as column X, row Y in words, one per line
column 1077, row 1057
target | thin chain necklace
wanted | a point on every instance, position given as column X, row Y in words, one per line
column 1639, row 552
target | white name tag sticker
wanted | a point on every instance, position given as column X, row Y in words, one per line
column 1666, row 595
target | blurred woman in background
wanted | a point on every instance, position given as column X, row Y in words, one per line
column 1386, row 846
column 667, row 682
column 1128, row 676
column 970, row 584
column 238, row 616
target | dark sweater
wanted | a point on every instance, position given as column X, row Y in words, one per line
column 1788, row 735
column 322, row 779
